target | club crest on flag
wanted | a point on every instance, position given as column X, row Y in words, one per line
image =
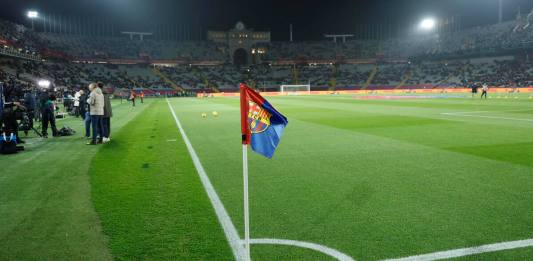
column 261, row 124
column 258, row 118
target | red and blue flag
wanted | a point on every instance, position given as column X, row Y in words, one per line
column 261, row 124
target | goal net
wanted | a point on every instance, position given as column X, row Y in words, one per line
column 295, row 89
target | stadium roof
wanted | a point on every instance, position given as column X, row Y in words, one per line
column 311, row 19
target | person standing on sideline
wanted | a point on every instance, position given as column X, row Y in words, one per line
column 96, row 103
column 85, row 114
column 30, row 104
column 48, row 116
column 108, row 113
column 77, row 97
column 132, row 97
column 485, row 89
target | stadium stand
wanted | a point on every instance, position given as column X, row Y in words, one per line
column 493, row 54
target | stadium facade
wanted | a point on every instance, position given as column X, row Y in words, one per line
column 240, row 43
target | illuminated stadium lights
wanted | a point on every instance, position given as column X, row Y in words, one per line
column 427, row 24
column 33, row 14
column 43, row 83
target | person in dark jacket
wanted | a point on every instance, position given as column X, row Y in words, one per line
column 48, row 116
column 108, row 113
column 30, row 104
column 84, row 107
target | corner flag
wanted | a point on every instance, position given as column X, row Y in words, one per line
column 262, row 127
column 261, row 124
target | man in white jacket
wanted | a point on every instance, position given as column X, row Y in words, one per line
column 77, row 97
column 96, row 102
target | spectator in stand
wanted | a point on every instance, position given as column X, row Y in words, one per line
column 108, row 113
column 96, row 103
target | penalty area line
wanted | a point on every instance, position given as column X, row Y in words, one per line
column 488, row 117
column 474, row 112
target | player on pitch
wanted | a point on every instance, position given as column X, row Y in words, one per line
column 485, row 89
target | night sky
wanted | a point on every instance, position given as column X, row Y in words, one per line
column 311, row 18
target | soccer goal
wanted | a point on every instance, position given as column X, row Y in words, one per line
column 295, row 89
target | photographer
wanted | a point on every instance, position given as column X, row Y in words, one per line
column 48, row 117
column 12, row 107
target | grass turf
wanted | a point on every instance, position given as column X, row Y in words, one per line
column 45, row 208
column 371, row 178
column 149, row 197
column 376, row 179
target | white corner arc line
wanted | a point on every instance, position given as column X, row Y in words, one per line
column 319, row 248
column 468, row 251
column 225, row 221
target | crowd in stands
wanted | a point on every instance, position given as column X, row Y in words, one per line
column 502, row 72
column 489, row 40
column 447, row 59
column 121, row 47
column 16, row 40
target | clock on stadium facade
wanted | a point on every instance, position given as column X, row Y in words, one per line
column 244, row 46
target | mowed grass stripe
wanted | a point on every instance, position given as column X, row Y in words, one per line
column 149, row 198
column 45, row 207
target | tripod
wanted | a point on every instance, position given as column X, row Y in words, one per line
column 29, row 125
column 36, row 131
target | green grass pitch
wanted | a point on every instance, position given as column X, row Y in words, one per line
column 373, row 179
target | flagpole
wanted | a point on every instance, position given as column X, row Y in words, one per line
column 246, row 205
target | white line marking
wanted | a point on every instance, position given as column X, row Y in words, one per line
column 326, row 250
column 468, row 251
column 489, row 117
column 172, row 140
column 464, row 112
column 235, row 241
column 472, row 112
column 222, row 214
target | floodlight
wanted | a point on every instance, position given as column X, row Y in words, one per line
column 428, row 24
column 43, row 83
column 33, row 14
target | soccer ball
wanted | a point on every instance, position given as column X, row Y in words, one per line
column 215, row 113
column 204, row 115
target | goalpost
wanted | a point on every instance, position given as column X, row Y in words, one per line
column 295, row 89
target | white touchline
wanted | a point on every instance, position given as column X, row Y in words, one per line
column 222, row 214
column 468, row 251
column 235, row 241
